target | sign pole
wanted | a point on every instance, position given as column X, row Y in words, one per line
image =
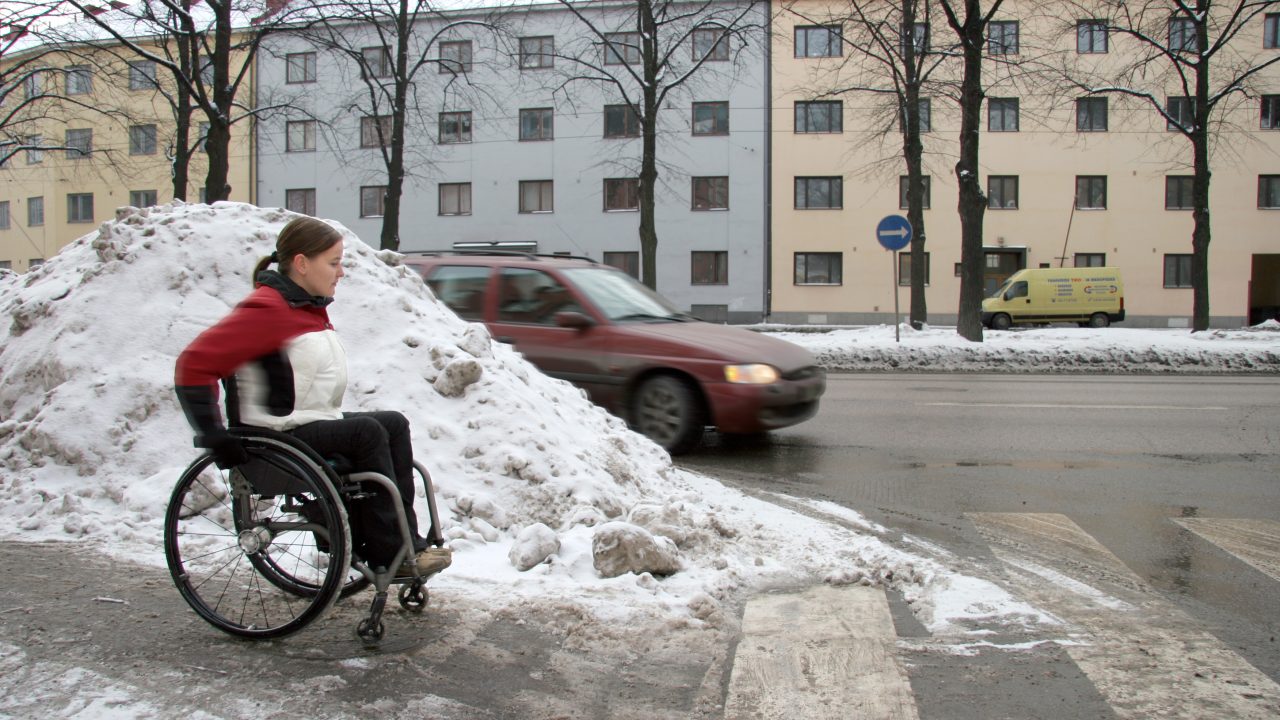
column 894, row 233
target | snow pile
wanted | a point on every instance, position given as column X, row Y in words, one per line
column 527, row 470
column 1049, row 349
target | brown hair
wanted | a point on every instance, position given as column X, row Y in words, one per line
column 302, row 236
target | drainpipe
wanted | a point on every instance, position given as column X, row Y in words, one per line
column 768, row 162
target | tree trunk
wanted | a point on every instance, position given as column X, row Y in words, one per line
column 648, row 158
column 390, row 239
column 181, row 167
column 1200, row 181
column 913, row 153
column 218, row 143
column 972, row 204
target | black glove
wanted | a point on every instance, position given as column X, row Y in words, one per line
column 226, row 448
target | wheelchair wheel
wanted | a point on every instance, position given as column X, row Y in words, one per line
column 253, row 563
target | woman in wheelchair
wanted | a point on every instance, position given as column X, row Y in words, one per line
column 290, row 375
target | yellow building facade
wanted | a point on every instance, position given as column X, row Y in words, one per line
column 109, row 134
column 1069, row 184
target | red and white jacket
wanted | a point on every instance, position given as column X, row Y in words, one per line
column 289, row 365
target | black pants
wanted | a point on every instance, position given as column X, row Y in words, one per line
column 371, row 442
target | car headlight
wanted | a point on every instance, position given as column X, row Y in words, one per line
column 754, row 374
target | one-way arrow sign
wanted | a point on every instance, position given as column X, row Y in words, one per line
column 893, row 232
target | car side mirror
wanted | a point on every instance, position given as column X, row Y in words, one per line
column 570, row 319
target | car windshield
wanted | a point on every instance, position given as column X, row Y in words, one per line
column 621, row 298
column 1000, row 291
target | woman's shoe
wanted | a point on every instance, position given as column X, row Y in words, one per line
column 427, row 563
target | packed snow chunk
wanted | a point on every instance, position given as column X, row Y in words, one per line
column 619, row 548
column 457, row 376
column 533, row 546
column 476, row 341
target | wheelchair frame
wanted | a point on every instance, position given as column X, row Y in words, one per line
column 264, row 549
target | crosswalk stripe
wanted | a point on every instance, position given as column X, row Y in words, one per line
column 826, row 652
column 1256, row 542
column 1145, row 656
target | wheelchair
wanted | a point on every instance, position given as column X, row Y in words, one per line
column 264, row 549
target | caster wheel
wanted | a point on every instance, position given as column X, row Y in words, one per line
column 413, row 597
column 370, row 633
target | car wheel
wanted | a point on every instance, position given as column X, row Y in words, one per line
column 1099, row 320
column 669, row 412
column 1001, row 322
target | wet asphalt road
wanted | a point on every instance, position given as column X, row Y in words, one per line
column 1133, row 461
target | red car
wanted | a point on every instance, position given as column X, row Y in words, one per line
column 668, row 374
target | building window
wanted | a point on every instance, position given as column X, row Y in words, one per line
column 820, row 268
column 902, row 192
column 918, row 36
column 1271, row 30
column 1177, row 271
column 710, row 43
column 1182, row 34
column 79, row 143
column 820, row 116
column 202, row 137
column 1002, row 192
column 537, row 52
column 79, row 80
column 1091, row 260
column 1002, row 37
column 621, row 121
column 1002, row 114
column 815, row 193
column 455, row 56
column 204, row 195
column 300, row 200
column 300, row 135
column 35, row 211
column 1271, row 112
column 622, row 48
column 142, row 198
column 711, row 118
column 1269, row 192
column 621, row 194
column 34, row 263
column 373, row 200
column 455, row 127
column 455, row 199
column 904, row 269
column 536, row 124
column 375, row 131
column 6, row 264
column 142, row 140
column 1091, row 37
column 1091, row 114
column 926, row 117
column 818, row 41
column 35, row 151
column 537, row 196
column 32, row 85
column 4, row 214
column 80, row 207
column 142, row 75
column 627, row 262
column 709, row 267
column 376, row 62
column 1179, row 114
column 300, row 68
column 711, row 193
column 1091, row 192
column 1177, row 192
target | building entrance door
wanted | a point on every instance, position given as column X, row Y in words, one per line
column 1000, row 264
column 1264, row 289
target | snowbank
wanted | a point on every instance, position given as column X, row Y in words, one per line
column 92, row 439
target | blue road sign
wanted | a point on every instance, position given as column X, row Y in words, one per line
column 893, row 232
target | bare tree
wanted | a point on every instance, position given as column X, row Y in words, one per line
column 1193, row 49
column 390, row 42
column 195, row 42
column 28, row 92
column 643, row 52
column 969, row 21
column 889, row 56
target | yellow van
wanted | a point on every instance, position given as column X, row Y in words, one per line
column 1092, row 297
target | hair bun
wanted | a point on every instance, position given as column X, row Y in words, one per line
column 274, row 257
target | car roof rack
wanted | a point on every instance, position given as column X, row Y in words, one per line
column 501, row 252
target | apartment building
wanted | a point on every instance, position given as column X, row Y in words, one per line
column 504, row 145
column 103, row 139
column 1071, row 178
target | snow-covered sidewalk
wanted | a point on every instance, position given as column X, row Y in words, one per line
column 1049, row 349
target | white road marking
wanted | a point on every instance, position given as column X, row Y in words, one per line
column 826, row 652
column 1256, row 542
column 1149, row 661
column 1072, row 406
